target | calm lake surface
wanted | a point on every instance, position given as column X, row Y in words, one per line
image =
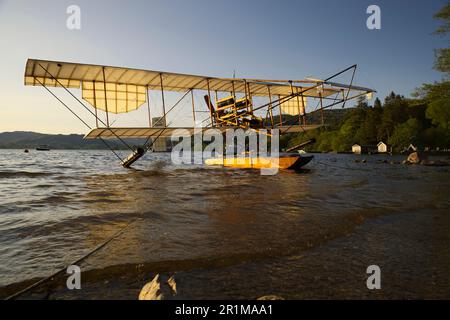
column 223, row 233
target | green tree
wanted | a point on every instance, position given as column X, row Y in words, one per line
column 443, row 14
column 377, row 104
column 437, row 95
column 325, row 141
column 348, row 132
column 367, row 133
column 405, row 134
column 394, row 112
column 442, row 61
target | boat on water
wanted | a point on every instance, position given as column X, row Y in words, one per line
column 43, row 148
column 288, row 161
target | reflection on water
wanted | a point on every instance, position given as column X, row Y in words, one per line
column 57, row 206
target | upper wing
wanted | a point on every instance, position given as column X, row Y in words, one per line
column 119, row 90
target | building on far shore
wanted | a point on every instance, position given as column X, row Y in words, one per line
column 360, row 149
column 412, row 148
column 383, row 147
column 356, row 148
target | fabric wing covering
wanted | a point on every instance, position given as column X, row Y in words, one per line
column 294, row 106
column 120, row 98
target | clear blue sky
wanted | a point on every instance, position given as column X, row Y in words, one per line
column 258, row 39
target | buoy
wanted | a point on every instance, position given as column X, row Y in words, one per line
column 26, row 151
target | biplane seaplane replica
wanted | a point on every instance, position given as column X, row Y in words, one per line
column 228, row 103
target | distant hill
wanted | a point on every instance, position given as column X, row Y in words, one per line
column 31, row 140
column 332, row 117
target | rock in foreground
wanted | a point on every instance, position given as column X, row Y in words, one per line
column 158, row 290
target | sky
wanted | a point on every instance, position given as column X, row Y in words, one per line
column 253, row 39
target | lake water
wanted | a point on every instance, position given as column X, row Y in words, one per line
column 223, row 233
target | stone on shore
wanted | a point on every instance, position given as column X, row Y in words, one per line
column 413, row 158
column 419, row 158
column 173, row 285
column 158, row 289
column 152, row 290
